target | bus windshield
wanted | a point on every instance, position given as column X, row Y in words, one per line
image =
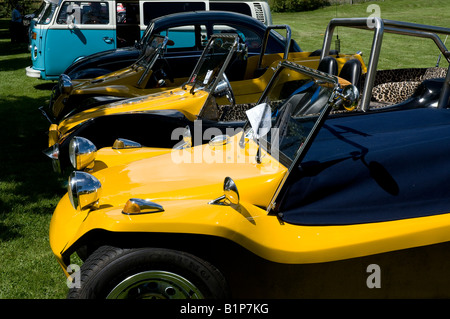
column 48, row 10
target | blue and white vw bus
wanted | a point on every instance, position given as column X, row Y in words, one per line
column 65, row 30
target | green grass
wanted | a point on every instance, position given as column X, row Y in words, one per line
column 29, row 191
column 397, row 51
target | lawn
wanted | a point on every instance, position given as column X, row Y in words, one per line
column 397, row 51
column 29, row 190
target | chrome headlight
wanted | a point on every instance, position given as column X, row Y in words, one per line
column 65, row 84
column 82, row 153
column 84, row 190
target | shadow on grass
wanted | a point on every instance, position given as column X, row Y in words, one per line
column 15, row 64
column 7, row 233
column 27, row 181
column 46, row 86
column 8, row 48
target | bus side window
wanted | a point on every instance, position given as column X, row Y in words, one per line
column 69, row 13
column 95, row 13
column 80, row 12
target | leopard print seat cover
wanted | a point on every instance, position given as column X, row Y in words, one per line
column 395, row 86
column 390, row 87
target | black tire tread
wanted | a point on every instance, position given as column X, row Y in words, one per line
column 105, row 255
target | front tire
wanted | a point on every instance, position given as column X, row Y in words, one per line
column 147, row 273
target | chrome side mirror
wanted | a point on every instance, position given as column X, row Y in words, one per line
column 187, row 137
column 82, row 153
column 231, row 191
column 350, row 96
column 186, row 142
column 224, row 88
column 231, row 194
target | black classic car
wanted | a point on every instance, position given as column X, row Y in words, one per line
column 206, row 22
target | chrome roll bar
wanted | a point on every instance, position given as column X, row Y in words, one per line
column 379, row 27
column 266, row 39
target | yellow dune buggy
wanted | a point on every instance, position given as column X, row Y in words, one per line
column 304, row 201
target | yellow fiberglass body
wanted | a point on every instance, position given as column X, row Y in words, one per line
column 185, row 191
column 121, row 83
column 205, row 183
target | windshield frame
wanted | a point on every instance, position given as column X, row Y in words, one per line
column 304, row 147
column 147, row 61
column 315, row 74
column 147, row 34
column 194, row 79
column 40, row 11
column 52, row 7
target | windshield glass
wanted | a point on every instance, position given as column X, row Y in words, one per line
column 156, row 44
column 289, row 110
column 210, row 66
column 39, row 12
column 146, row 36
column 147, row 60
column 46, row 17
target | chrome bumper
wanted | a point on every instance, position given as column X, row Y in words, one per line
column 32, row 73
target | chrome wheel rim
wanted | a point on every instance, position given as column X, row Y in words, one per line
column 155, row 284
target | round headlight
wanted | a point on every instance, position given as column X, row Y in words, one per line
column 84, row 190
column 82, row 153
column 65, row 84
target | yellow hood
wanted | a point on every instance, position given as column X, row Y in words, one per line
column 196, row 173
column 176, row 99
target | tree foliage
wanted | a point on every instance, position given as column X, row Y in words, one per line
column 298, row 5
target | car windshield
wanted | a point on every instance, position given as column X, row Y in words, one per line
column 148, row 58
column 214, row 58
column 289, row 110
column 146, row 37
column 156, row 46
